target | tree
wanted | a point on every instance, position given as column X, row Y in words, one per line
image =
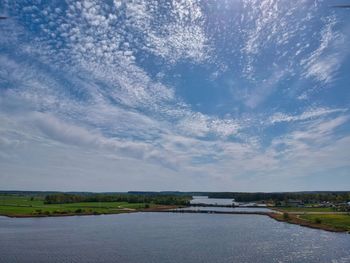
column 286, row 216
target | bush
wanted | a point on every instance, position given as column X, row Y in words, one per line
column 318, row 220
column 79, row 210
column 146, row 205
column 285, row 216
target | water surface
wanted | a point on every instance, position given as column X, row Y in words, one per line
column 167, row 237
column 211, row 201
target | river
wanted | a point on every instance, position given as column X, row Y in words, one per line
column 167, row 237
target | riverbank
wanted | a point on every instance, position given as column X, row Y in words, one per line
column 17, row 205
column 314, row 219
column 293, row 219
column 337, row 221
column 27, row 206
column 154, row 208
column 278, row 216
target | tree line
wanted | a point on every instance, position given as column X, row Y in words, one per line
column 306, row 197
column 63, row 198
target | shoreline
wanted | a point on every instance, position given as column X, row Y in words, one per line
column 278, row 216
column 295, row 220
column 121, row 211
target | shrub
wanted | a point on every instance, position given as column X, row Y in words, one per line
column 285, row 216
column 318, row 220
column 79, row 210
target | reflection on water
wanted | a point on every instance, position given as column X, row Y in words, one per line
column 167, row 238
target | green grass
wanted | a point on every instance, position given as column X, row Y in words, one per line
column 23, row 205
column 306, row 209
column 334, row 220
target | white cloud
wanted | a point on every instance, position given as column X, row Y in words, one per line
column 104, row 110
column 258, row 95
column 270, row 23
column 183, row 37
column 324, row 62
column 309, row 138
column 309, row 114
column 200, row 125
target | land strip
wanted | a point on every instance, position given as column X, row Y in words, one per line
column 320, row 218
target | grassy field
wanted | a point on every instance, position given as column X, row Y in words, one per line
column 334, row 220
column 26, row 205
column 317, row 217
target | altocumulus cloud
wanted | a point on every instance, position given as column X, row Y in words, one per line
column 204, row 95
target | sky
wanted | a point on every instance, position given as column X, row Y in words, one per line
column 216, row 95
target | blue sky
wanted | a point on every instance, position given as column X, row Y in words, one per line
column 174, row 95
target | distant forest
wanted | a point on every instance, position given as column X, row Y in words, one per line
column 306, row 197
column 182, row 198
column 62, row 198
